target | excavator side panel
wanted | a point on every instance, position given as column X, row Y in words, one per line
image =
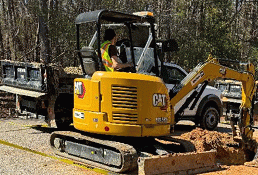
column 87, row 94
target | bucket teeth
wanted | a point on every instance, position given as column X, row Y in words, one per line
column 253, row 163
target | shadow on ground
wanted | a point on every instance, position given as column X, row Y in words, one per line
column 49, row 130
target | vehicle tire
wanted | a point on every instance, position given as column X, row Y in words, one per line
column 209, row 118
column 64, row 112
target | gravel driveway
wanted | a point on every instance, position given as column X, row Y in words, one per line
column 24, row 149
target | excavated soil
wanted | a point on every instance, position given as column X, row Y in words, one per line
column 205, row 140
column 73, row 70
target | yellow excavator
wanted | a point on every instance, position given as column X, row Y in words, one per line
column 120, row 117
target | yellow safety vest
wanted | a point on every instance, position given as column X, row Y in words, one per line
column 106, row 60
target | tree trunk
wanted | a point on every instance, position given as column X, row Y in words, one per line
column 45, row 54
column 2, row 51
column 37, row 49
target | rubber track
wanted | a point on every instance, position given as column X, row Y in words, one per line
column 188, row 146
column 128, row 153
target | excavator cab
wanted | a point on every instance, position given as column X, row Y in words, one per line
column 136, row 40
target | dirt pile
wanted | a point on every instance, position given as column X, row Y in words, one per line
column 73, row 70
column 205, row 140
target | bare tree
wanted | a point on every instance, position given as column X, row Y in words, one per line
column 1, row 43
column 45, row 54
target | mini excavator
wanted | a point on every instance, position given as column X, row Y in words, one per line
column 118, row 116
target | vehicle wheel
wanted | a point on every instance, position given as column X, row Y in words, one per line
column 64, row 112
column 210, row 118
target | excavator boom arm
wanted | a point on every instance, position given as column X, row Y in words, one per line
column 212, row 70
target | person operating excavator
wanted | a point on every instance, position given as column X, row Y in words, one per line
column 109, row 53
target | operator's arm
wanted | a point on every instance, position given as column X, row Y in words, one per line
column 117, row 64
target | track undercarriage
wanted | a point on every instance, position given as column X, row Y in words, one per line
column 105, row 154
column 120, row 155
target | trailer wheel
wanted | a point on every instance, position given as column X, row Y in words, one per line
column 64, row 111
column 62, row 122
column 209, row 118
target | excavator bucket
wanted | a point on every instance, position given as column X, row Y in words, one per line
column 179, row 163
column 254, row 162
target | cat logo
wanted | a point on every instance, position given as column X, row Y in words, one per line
column 159, row 100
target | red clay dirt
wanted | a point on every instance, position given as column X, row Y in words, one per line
column 205, row 140
column 231, row 159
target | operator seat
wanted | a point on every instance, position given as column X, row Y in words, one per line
column 90, row 60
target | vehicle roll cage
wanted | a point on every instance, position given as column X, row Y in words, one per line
column 99, row 16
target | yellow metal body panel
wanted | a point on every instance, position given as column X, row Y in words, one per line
column 155, row 130
column 90, row 100
column 95, row 122
column 129, row 105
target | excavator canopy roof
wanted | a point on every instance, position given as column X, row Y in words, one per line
column 111, row 16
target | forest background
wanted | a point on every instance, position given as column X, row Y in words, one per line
column 31, row 30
